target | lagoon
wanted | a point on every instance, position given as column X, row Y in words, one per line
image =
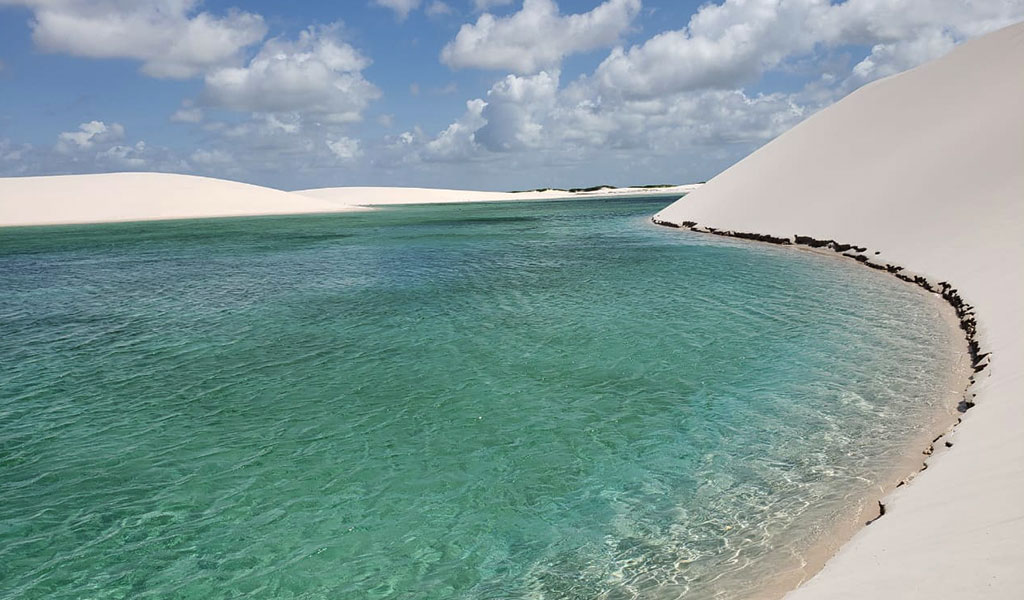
column 521, row 400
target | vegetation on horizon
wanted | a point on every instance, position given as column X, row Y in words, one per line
column 597, row 188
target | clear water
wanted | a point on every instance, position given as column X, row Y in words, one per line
column 529, row 400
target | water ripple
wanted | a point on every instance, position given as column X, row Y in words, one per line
column 503, row 401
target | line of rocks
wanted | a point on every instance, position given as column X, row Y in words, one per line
column 964, row 311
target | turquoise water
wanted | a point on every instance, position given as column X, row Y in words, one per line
column 530, row 400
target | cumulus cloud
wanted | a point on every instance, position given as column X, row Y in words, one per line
column 533, row 114
column 88, row 135
column 457, row 142
column 513, row 116
column 894, row 57
column 316, row 75
column 124, row 157
column 172, row 38
column 732, row 44
column 687, row 93
column 94, row 146
column 402, row 8
column 345, row 148
column 537, row 37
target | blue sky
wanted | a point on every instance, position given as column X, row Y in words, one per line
column 487, row 94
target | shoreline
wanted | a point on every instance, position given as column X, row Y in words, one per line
column 137, row 197
column 967, row 360
column 935, row 189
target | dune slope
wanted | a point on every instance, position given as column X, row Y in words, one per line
column 927, row 169
column 112, row 197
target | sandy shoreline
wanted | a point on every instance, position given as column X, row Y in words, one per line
column 937, row 188
column 918, row 450
column 133, row 197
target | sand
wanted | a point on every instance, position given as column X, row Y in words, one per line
column 115, row 197
column 66, row 199
column 926, row 168
column 373, row 196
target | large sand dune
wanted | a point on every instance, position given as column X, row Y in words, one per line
column 927, row 168
column 142, row 197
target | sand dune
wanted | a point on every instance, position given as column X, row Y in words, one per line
column 370, row 196
column 927, row 168
column 142, row 197
column 113, row 197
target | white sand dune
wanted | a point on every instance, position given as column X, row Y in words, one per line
column 142, row 197
column 372, row 196
column 926, row 167
column 113, row 197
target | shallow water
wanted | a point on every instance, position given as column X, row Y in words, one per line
column 534, row 400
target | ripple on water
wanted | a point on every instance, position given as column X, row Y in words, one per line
column 477, row 401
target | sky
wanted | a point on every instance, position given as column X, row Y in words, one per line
column 476, row 94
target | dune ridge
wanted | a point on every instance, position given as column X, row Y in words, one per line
column 925, row 171
column 113, row 197
column 118, row 197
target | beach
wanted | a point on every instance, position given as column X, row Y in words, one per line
column 919, row 175
column 127, row 197
column 933, row 187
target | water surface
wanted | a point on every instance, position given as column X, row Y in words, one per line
column 532, row 400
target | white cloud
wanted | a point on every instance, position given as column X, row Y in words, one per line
column 514, row 114
column 482, row 5
column 187, row 115
column 402, row 8
column 456, row 142
column 537, row 37
column 211, row 158
column 345, row 148
column 680, row 95
column 894, row 57
column 437, row 8
column 88, row 135
column 317, row 75
column 531, row 114
column 124, row 157
column 732, row 44
column 9, row 152
column 171, row 37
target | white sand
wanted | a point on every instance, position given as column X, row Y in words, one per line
column 372, row 196
column 68, row 199
column 142, row 197
column 928, row 168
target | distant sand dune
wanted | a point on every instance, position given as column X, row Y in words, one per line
column 370, row 196
column 927, row 168
column 112, row 197
column 142, row 197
